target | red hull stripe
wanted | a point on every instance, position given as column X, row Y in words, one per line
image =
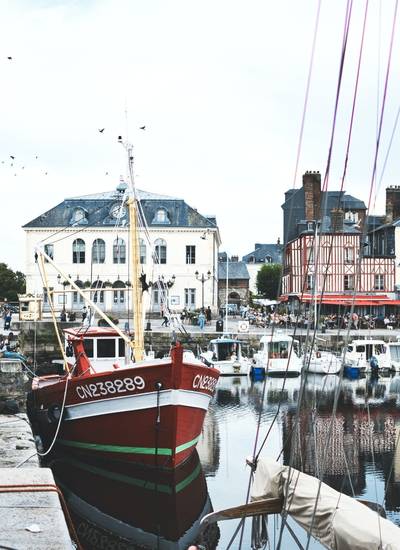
column 112, row 405
column 127, row 449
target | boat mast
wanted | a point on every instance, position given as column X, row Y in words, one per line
column 138, row 347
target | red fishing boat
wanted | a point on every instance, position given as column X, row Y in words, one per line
column 110, row 400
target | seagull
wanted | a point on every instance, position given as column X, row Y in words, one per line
column 45, row 173
column 142, row 128
column 101, row 130
column 9, row 57
column 36, row 157
column 12, row 157
column 106, row 173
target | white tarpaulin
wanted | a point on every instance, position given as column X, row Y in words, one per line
column 340, row 522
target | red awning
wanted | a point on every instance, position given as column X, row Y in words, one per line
column 346, row 300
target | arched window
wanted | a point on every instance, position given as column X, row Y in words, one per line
column 118, row 293
column 160, row 251
column 161, row 216
column 142, row 251
column 78, row 251
column 119, row 251
column 99, row 251
column 98, row 295
column 268, row 259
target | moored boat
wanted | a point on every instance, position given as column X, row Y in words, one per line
column 358, row 355
column 278, row 355
column 322, row 362
column 225, row 355
column 112, row 401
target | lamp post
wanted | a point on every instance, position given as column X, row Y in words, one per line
column 202, row 279
column 64, row 283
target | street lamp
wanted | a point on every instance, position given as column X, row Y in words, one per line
column 164, row 286
column 202, row 279
column 64, row 283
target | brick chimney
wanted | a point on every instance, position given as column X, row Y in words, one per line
column 337, row 219
column 312, row 195
column 392, row 203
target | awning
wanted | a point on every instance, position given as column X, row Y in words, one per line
column 345, row 300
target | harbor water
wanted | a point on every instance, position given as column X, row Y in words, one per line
column 355, row 448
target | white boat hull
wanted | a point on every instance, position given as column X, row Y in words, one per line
column 327, row 363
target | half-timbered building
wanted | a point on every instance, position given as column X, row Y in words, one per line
column 330, row 253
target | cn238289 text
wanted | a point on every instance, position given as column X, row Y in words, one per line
column 107, row 387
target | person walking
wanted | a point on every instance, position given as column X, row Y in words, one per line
column 165, row 322
column 202, row 320
column 84, row 314
column 208, row 315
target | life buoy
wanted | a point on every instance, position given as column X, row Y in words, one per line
column 243, row 326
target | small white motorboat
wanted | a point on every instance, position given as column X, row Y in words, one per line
column 394, row 350
column 225, row 355
column 359, row 352
column 322, row 362
column 278, row 355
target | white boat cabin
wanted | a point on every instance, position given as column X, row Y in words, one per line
column 225, row 349
column 278, row 354
column 359, row 353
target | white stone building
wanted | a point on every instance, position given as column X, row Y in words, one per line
column 87, row 237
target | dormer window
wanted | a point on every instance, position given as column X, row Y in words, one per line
column 310, row 226
column 79, row 217
column 268, row 259
column 161, row 216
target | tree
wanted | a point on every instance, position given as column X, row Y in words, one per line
column 11, row 283
column 268, row 281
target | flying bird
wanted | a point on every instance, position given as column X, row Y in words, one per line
column 45, row 173
column 101, row 130
column 12, row 157
column 36, row 157
column 142, row 128
column 106, row 173
column 9, row 57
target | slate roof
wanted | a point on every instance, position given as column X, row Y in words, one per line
column 294, row 211
column 262, row 251
column 97, row 207
column 236, row 270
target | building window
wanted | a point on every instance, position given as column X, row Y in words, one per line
column 119, row 297
column 161, row 216
column 379, row 282
column 77, row 298
column 352, row 216
column 349, row 282
column 309, row 281
column 98, row 297
column 190, row 254
column 142, row 246
column 349, row 255
column 190, row 298
column 99, row 251
column 49, row 250
column 119, row 251
column 310, row 255
column 156, row 296
column 268, row 259
column 78, row 251
column 160, row 251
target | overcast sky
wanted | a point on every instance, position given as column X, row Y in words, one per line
column 219, row 85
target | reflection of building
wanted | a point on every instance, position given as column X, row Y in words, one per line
column 342, row 446
column 208, row 447
column 87, row 237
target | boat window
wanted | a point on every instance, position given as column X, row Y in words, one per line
column 380, row 348
column 278, row 350
column 88, row 345
column 121, row 347
column 360, row 349
column 226, row 350
column 349, row 349
column 105, row 347
column 395, row 352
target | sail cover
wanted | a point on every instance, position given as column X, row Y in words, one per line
column 340, row 522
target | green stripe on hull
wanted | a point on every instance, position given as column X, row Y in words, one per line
column 162, row 451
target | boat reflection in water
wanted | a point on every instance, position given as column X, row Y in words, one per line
column 122, row 506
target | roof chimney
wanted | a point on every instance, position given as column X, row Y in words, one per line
column 392, row 203
column 337, row 219
column 312, row 195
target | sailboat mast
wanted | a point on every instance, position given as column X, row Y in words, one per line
column 138, row 347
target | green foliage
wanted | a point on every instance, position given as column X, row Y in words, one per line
column 268, row 281
column 11, row 283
